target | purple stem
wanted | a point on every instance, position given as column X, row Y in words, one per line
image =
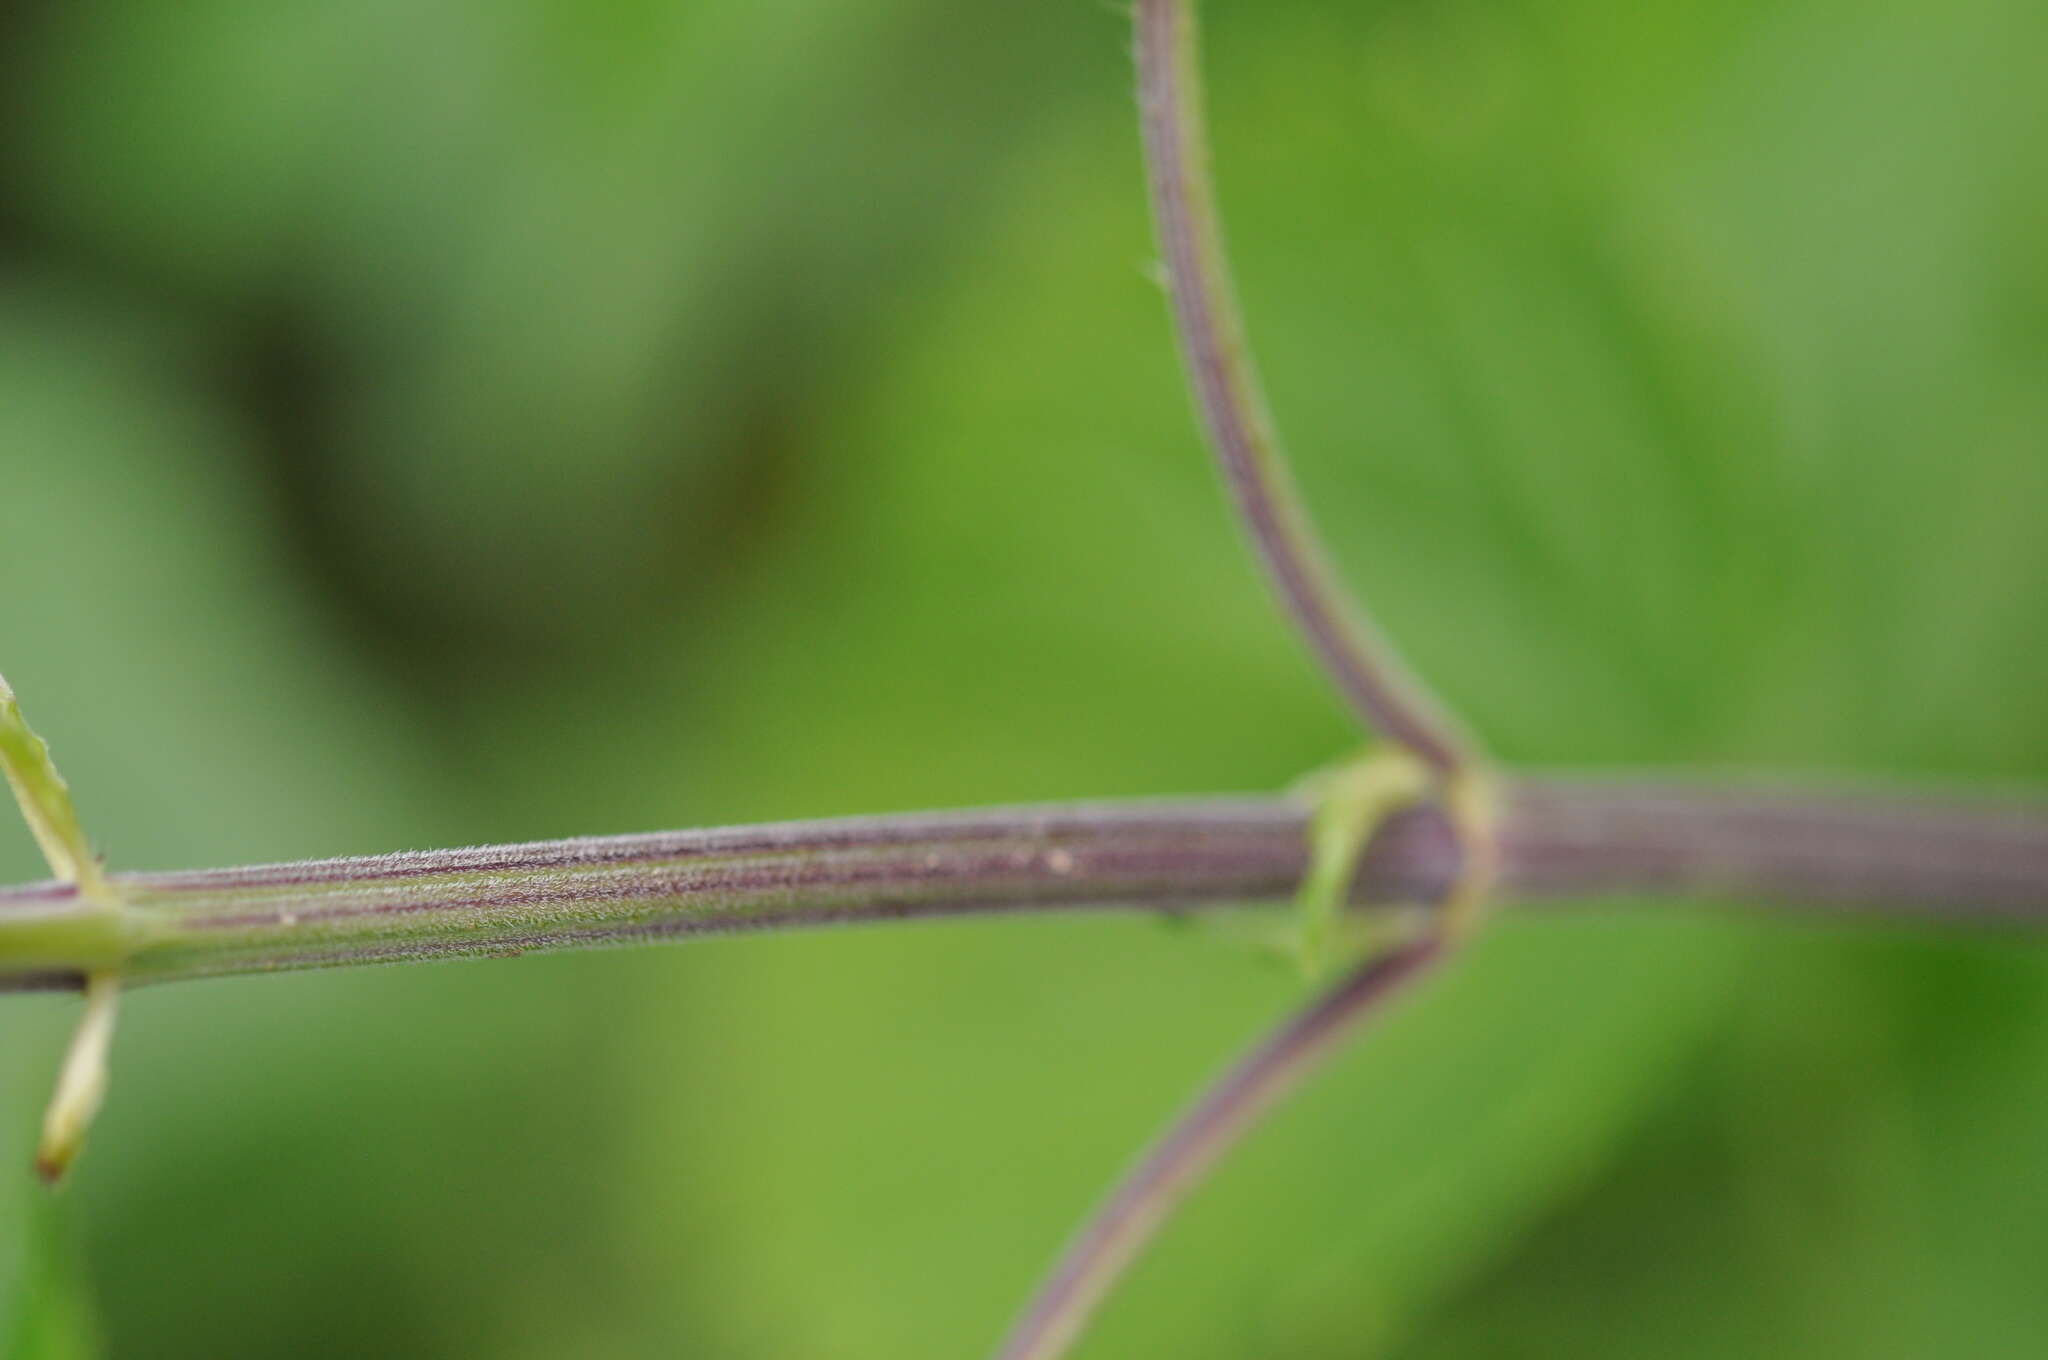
column 1226, row 387
column 1127, row 1220
column 1562, row 839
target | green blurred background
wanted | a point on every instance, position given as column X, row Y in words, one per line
column 437, row 423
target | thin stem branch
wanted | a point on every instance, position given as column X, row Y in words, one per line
column 45, row 799
column 1560, row 839
column 1170, row 1169
column 81, row 1082
column 1226, row 387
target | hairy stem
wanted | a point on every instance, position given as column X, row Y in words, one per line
column 1571, row 839
column 1169, row 1170
column 1226, row 387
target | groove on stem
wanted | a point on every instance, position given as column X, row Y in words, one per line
column 1127, row 1220
column 1233, row 408
column 1934, row 860
column 1162, row 855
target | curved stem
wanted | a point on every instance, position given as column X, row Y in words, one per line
column 1169, row 1170
column 1226, row 386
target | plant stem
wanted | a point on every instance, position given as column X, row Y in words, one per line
column 1169, row 1170
column 563, row 894
column 1571, row 839
column 45, row 799
column 1226, row 387
column 81, row 1082
column 1337, row 630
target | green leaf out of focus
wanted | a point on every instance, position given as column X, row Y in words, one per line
column 46, row 1312
column 434, row 425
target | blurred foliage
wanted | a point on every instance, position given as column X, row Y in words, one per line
column 435, row 423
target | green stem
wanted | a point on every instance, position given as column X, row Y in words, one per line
column 45, row 799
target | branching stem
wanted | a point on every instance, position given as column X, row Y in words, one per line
column 1450, row 840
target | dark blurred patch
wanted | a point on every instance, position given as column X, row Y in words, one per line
column 285, row 372
column 18, row 239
